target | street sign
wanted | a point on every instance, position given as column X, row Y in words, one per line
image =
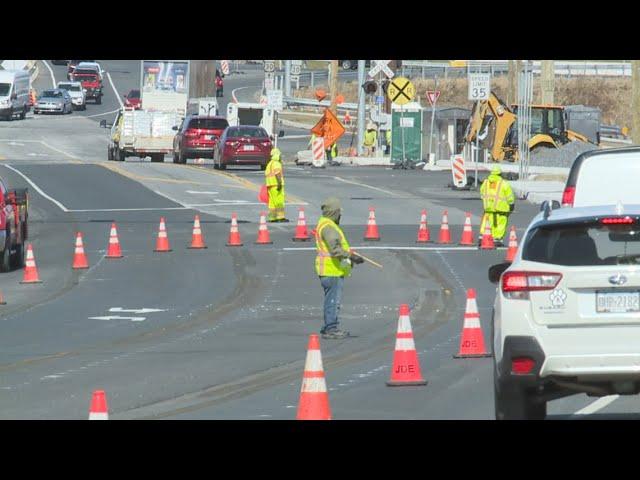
column 225, row 66
column 294, row 78
column 380, row 99
column 269, row 81
column 479, row 86
column 275, row 99
column 329, row 127
column 269, row 66
column 381, row 66
column 401, row 91
column 295, row 69
column 433, row 96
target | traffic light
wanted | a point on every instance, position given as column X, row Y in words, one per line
column 370, row 86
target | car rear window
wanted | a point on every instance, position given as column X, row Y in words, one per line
column 249, row 132
column 584, row 244
column 134, row 94
column 85, row 72
column 208, row 123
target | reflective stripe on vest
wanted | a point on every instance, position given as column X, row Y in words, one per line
column 271, row 172
column 327, row 264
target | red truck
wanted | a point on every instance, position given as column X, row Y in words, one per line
column 14, row 205
column 91, row 83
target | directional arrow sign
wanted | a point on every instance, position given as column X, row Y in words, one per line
column 136, row 310
column 117, row 317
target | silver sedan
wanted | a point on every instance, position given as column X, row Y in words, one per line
column 54, row 100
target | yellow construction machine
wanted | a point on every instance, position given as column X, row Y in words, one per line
column 492, row 122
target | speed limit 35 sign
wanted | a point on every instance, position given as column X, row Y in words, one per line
column 479, row 86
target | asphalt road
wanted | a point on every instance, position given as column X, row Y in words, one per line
column 221, row 333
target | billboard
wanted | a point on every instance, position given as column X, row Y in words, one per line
column 164, row 85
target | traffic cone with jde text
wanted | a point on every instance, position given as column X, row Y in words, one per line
column 513, row 245
column 445, row 234
column 197, row 241
column 234, row 234
column 162, row 243
column 423, row 230
column 472, row 340
column 487, row 238
column 406, row 368
column 314, row 399
column 79, row 258
column 302, row 235
column 372, row 229
column 98, row 409
column 114, row 244
column 263, row 233
column 467, row 232
column 30, row 269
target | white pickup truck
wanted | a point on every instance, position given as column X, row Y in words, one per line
column 141, row 133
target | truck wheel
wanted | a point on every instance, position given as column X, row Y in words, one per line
column 109, row 153
column 182, row 159
column 120, row 155
column 5, row 261
column 176, row 159
column 17, row 259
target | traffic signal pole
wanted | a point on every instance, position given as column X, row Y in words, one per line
column 361, row 107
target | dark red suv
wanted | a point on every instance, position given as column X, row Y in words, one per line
column 243, row 145
column 197, row 137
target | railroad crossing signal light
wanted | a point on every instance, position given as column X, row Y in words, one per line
column 370, row 86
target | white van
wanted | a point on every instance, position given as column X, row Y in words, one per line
column 14, row 93
column 604, row 177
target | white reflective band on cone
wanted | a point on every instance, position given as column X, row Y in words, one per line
column 471, row 323
column 98, row 416
column 314, row 385
column 313, row 362
column 405, row 344
column 404, row 324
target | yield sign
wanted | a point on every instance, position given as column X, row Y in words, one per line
column 433, row 95
column 329, row 127
column 381, row 66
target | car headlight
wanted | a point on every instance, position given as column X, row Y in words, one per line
column 4, row 102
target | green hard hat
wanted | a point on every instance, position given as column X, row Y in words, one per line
column 496, row 170
column 275, row 153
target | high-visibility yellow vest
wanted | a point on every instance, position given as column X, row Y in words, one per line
column 274, row 167
column 370, row 138
column 496, row 194
column 388, row 135
column 326, row 265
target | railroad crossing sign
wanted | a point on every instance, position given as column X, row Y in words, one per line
column 269, row 66
column 433, row 96
column 479, row 86
column 381, row 66
column 401, row 91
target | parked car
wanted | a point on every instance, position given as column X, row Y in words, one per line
column 54, row 100
column 243, row 145
column 567, row 310
column 197, row 136
column 603, row 177
column 78, row 97
column 132, row 99
column 352, row 64
column 14, row 93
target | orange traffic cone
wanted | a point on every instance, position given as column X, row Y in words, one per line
column 263, row 232
column 234, row 234
column 162, row 243
column 487, row 238
column 197, row 241
column 30, row 269
column 472, row 341
column 445, row 234
column 98, row 409
column 406, row 368
column 423, row 231
column 372, row 229
column 79, row 258
column 114, row 244
column 347, row 118
column 467, row 232
column 301, row 229
column 513, row 245
column 2, row 300
column 314, row 399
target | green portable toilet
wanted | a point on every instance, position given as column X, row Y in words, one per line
column 406, row 133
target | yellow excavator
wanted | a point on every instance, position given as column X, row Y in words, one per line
column 493, row 123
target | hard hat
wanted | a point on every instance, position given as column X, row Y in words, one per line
column 496, row 170
column 371, row 126
column 275, row 153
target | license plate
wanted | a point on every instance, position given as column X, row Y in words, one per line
column 248, row 148
column 617, row 302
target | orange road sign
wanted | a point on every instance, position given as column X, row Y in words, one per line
column 329, row 127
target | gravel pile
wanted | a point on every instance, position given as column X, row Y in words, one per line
column 560, row 157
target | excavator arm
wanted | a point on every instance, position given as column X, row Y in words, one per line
column 503, row 119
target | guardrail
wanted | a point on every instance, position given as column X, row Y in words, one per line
column 315, row 103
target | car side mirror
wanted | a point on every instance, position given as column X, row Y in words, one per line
column 175, row 128
column 281, row 133
column 103, row 123
column 495, row 271
column 553, row 205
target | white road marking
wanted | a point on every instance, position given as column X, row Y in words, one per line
column 100, row 114
column 53, row 77
column 366, row 186
column 42, row 142
column 117, row 317
column 233, row 93
column 145, row 209
column 391, row 247
column 597, row 405
column 294, row 137
column 32, row 154
column 114, row 90
column 137, row 311
column 196, row 192
column 37, row 188
column 16, row 144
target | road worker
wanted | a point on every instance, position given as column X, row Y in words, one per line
column 333, row 263
column 331, row 153
column 370, row 139
column 498, row 202
column 388, row 139
column 274, row 180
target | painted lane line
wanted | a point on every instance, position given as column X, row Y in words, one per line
column 366, row 186
column 137, row 311
column 391, row 247
column 196, row 192
column 233, row 93
column 117, row 317
column 597, row 405
column 100, row 114
column 38, row 189
column 114, row 90
column 42, row 142
column 53, row 77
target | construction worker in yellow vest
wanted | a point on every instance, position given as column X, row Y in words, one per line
column 333, row 263
column 498, row 202
column 370, row 139
column 274, row 180
column 388, row 139
column 331, row 153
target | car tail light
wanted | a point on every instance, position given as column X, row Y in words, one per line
column 231, row 143
column 516, row 285
column 522, row 365
column 568, row 196
column 266, row 144
column 617, row 221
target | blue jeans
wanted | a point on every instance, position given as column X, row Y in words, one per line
column 332, row 298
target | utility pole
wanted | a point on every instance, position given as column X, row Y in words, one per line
column 512, row 83
column 547, row 82
column 333, row 85
column 361, row 106
column 287, row 78
column 202, row 78
column 635, row 101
